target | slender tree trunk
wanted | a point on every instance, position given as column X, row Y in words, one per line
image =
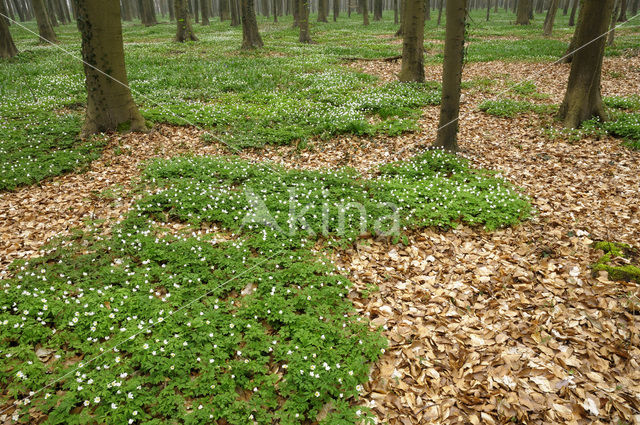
column 235, row 18
column 7, row 46
column 250, row 36
column 565, row 7
column 303, row 21
column 51, row 12
column 623, row 12
column 109, row 103
column 336, row 10
column 364, row 6
column 612, row 28
column 322, row 10
column 276, row 10
column 440, row 6
column 396, row 19
column 45, row 29
column 377, row 10
column 412, row 68
column 583, row 99
column 172, row 10
column 147, row 13
column 427, row 10
column 224, row 10
column 452, row 75
column 127, row 14
column 204, row 12
column 572, row 17
column 489, row 9
column 524, row 10
column 634, row 7
column 551, row 17
column 400, row 32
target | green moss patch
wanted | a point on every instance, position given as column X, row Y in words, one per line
column 618, row 261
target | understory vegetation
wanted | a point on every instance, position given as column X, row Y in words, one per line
column 281, row 94
column 143, row 324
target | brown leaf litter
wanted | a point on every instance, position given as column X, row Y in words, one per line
column 483, row 327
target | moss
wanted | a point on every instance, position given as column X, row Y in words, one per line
column 123, row 127
column 612, row 250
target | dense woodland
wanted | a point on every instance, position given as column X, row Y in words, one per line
column 319, row 212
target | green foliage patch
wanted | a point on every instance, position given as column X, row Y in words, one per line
column 613, row 251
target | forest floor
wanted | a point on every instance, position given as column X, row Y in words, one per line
column 482, row 326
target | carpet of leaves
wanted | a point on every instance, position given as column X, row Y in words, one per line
column 483, row 327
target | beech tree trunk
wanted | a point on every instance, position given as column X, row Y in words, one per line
column 110, row 106
column 204, row 12
column 235, row 18
column 364, row 6
column 224, row 10
column 7, row 46
column 412, row 68
column 303, row 21
column 524, row 12
column 612, row 28
column 322, row 10
column 623, row 12
column 172, row 10
column 572, row 17
column 250, row 36
column 127, row 13
column 45, row 29
column 49, row 7
column 147, row 13
column 452, row 75
column 440, row 6
column 184, row 29
column 634, row 7
column 377, row 10
column 489, row 9
column 336, row 10
column 276, row 10
column 583, row 99
column 551, row 17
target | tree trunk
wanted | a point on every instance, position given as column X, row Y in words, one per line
column 7, row 46
column 127, row 14
column 377, row 10
column 452, row 75
column 572, row 18
column 634, row 7
column 172, row 10
column 412, row 68
column 551, row 17
column 336, row 10
column 400, row 32
column 147, row 13
column 250, row 36
column 583, row 99
column 224, row 10
column 184, row 29
column 565, row 7
column 364, row 6
column 396, row 19
column 440, row 6
column 303, row 21
column 109, row 103
column 45, row 29
column 489, row 9
column 51, row 12
column 623, row 12
column 235, row 19
column 204, row 12
column 275, row 11
column 524, row 10
column 322, row 10
column 427, row 10
column 612, row 28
